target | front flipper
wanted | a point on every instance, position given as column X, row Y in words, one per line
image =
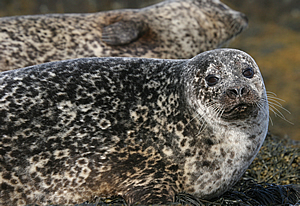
column 123, row 32
column 157, row 194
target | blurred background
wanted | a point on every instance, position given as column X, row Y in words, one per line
column 272, row 39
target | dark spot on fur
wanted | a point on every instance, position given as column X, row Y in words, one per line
column 6, row 176
column 206, row 163
column 188, row 153
column 20, row 190
column 4, row 186
column 33, row 175
column 182, row 143
column 82, row 162
column 219, row 175
column 223, row 153
column 60, row 154
column 257, row 146
column 192, row 190
column 173, row 168
column 179, row 127
column 232, row 154
column 37, row 179
column 192, row 142
column 14, row 182
column 208, row 141
column 252, row 137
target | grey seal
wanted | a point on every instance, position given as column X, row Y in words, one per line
column 143, row 129
column 171, row 29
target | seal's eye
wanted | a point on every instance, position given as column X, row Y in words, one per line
column 212, row 80
column 248, row 72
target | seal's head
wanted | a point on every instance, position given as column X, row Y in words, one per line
column 229, row 84
column 194, row 26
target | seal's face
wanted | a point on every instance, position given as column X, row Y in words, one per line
column 239, row 100
column 229, row 85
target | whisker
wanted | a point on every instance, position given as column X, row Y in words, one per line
column 192, row 119
column 220, row 112
column 215, row 108
column 215, row 113
column 275, row 98
column 203, row 126
column 270, row 115
column 269, row 92
column 260, row 105
column 274, row 104
column 280, row 106
column 271, row 121
column 272, row 95
column 279, row 114
column 223, row 110
column 201, row 120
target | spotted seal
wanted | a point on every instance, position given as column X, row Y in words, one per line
column 143, row 129
column 171, row 29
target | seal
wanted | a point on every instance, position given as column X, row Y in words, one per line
column 143, row 129
column 171, row 29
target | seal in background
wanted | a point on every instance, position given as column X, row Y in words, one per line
column 144, row 129
column 171, row 29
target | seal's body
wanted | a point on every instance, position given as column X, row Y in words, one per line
column 171, row 29
column 144, row 129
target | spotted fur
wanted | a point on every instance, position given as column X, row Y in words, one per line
column 171, row 29
column 144, row 129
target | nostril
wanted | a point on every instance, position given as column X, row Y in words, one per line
column 232, row 93
column 237, row 92
column 244, row 17
column 244, row 91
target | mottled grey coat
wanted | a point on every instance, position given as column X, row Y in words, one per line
column 171, row 29
column 144, row 129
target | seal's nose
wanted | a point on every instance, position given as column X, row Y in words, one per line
column 244, row 17
column 236, row 92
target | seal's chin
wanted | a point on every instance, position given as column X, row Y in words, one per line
column 239, row 111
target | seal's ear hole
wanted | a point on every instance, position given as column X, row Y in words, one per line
column 211, row 80
column 248, row 73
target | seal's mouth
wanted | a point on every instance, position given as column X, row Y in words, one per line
column 240, row 108
column 239, row 111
